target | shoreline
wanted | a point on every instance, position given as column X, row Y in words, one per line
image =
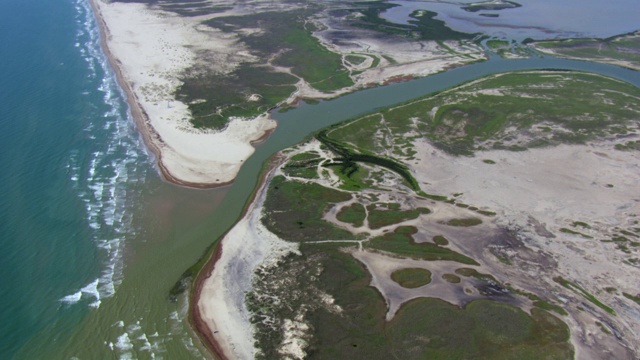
column 140, row 117
column 199, row 324
column 183, row 158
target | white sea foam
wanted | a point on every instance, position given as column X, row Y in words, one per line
column 73, row 298
column 101, row 176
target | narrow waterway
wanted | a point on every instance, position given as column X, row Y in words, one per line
column 140, row 321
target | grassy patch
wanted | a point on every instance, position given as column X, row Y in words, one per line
column 481, row 330
column 214, row 98
column 580, row 291
column 440, row 240
column 469, row 272
column 488, row 161
column 348, row 159
column 294, row 210
column 451, row 278
column 573, row 232
column 303, row 165
column 581, row 224
column 401, row 242
column 355, row 59
column 550, row 307
column 380, row 218
column 635, row 298
column 512, row 111
column 353, row 214
column 464, row 222
column 412, row 277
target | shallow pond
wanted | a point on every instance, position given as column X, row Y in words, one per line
column 537, row 19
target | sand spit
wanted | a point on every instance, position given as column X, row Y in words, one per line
column 535, row 193
column 220, row 295
column 150, row 50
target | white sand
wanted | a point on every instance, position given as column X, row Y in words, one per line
column 247, row 245
column 153, row 49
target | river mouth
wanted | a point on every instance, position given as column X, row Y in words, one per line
column 539, row 19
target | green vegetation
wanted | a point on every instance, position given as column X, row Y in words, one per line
column 573, row 232
column 451, row 278
column 440, row 240
column 353, row 214
column 465, row 222
column 550, row 307
column 488, row 161
column 296, row 210
column 422, row 25
column 303, row 165
column 486, row 212
column 495, row 44
column 481, row 330
column 512, row 111
column 603, row 328
column 469, row 272
column 401, row 242
column 581, row 224
column 355, row 59
column 632, row 297
column 380, row 218
column 348, row 159
column 412, row 277
column 491, row 6
column 621, row 48
column 580, row 291
column 630, row 145
column 287, row 35
column 252, row 89
column 214, row 98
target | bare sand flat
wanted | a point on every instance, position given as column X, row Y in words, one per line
column 221, row 301
column 151, row 50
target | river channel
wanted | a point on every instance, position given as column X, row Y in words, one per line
column 141, row 304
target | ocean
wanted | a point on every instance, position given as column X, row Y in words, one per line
column 92, row 239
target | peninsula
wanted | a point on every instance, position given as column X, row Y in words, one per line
column 202, row 79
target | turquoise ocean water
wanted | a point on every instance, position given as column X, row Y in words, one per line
column 70, row 160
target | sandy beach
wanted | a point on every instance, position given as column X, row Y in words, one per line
column 152, row 50
column 148, row 67
column 218, row 305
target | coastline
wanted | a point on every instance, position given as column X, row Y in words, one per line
column 184, row 156
column 203, row 328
